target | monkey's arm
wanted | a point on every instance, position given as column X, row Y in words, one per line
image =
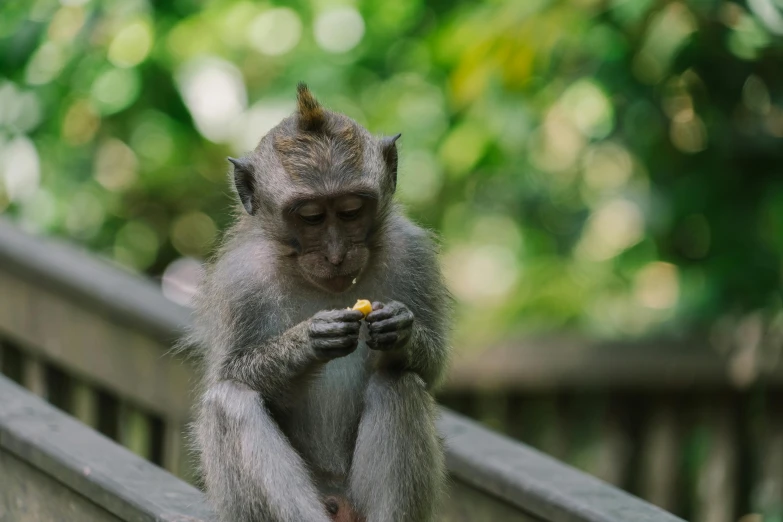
column 411, row 330
column 406, row 343
column 271, row 366
column 426, row 353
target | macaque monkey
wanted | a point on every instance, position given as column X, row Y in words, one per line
column 310, row 411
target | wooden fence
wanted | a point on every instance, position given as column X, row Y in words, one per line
column 93, row 340
column 694, row 430
column 56, row 468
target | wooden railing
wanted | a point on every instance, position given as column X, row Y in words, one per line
column 94, row 341
column 53, row 467
column 690, row 428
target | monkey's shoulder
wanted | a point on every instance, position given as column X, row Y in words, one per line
column 412, row 241
column 414, row 274
column 244, row 262
column 412, row 250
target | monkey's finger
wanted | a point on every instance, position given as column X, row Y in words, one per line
column 398, row 322
column 377, row 305
column 379, row 315
column 319, row 329
column 383, row 341
column 342, row 316
column 388, row 311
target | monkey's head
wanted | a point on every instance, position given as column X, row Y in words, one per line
column 320, row 186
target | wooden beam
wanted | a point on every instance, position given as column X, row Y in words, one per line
column 90, row 466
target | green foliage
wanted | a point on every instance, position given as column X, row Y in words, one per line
column 611, row 166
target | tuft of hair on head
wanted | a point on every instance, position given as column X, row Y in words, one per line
column 312, row 116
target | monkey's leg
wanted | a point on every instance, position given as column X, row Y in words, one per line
column 398, row 467
column 251, row 471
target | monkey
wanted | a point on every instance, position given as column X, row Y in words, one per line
column 310, row 411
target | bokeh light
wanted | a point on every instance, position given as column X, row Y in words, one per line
column 567, row 153
column 180, row 280
column 20, row 168
column 46, row 64
column 132, row 44
column 115, row 89
column 214, row 93
column 339, row 29
column 193, row 234
column 656, row 286
column 115, row 165
column 614, row 227
column 275, row 31
column 136, row 245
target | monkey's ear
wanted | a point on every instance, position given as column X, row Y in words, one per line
column 389, row 151
column 311, row 114
column 244, row 182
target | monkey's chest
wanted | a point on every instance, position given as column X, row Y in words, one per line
column 322, row 425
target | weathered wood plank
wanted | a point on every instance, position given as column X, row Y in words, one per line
column 28, row 495
column 94, row 349
column 119, row 296
column 533, row 482
column 91, row 465
column 561, row 362
column 467, row 504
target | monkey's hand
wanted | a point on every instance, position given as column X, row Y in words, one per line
column 390, row 326
column 334, row 333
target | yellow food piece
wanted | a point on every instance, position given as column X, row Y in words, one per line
column 364, row 306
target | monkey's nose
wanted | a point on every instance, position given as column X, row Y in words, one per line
column 335, row 258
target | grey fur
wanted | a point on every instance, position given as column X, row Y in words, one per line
column 296, row 406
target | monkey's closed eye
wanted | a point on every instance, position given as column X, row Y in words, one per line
column 348, row 215
column 314, row 219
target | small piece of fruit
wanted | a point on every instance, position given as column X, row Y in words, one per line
column 364, row 306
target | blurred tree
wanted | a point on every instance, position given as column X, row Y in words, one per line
column 606, row 165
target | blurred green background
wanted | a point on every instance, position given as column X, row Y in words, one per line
column 612, row 168
column 606, row 166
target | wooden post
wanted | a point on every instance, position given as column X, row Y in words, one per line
column 59, row 388
column 536, row 420
column 85, row 404
column 108, row 418
column 661, row 456
column 715, row 492
column 611, row 444
column 134, row 430
column 172, row 447
column 34, row 378
column 770, row 497
column 13, row 362
column 491, row 409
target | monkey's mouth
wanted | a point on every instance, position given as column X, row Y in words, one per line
column 337, row 284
